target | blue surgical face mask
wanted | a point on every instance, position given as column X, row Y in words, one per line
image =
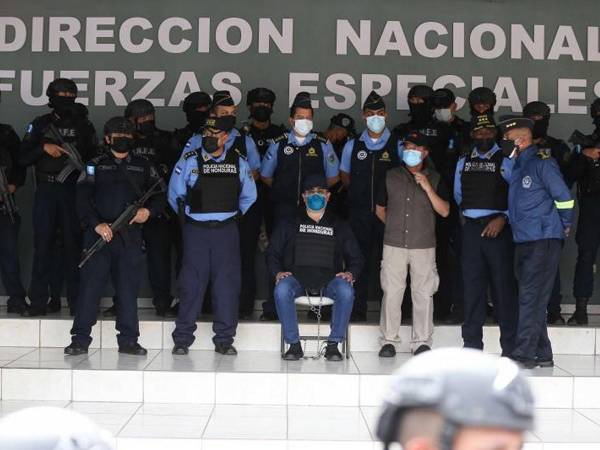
column 376, row 124
column 411, row 158
column 315, row 202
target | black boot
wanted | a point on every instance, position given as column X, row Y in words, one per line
column 294, row 353
column 555, row 318
column 580, row 316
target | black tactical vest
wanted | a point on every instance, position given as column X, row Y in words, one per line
column 294, row 163
column 70, row 130
column 314, row 254
column 262, row 138
column 367, row 168
column 482, row 184
column 590, row 182
column 217, row 187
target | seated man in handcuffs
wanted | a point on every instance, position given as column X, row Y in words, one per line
column 316, row 254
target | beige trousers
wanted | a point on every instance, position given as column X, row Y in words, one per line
column 424, row 283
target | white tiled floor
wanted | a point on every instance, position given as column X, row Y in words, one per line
column 153, row 426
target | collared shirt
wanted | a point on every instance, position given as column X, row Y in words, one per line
column 331, row 164
column 185, row 176
column 373, row 146
column 252, row 155
column 410, row 217
column 505, row 169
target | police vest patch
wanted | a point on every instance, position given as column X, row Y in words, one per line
column 362, row 155
column 527, row 182
column 312, row 152
column 315, row 229
column 288, row 150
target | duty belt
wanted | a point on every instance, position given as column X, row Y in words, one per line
column 483, row 220
column 210, row 223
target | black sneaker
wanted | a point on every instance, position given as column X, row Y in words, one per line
column 545, row 362
column 110, row 312
column 294, row 353
column 225, row 349
column 267, row 316
column 422, row 349
column 387, row 351
column 555, row 319
column 53, row 305
column 180, row 350
column 524, row 363
column 74, row 350
column 33, row 311
column 133, row 349
column 332, row 353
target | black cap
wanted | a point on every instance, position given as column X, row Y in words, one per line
column 419, row 139
column 536, row 109
column 61, row 85
column 260, row 95
column 223, row 123
column 196, row 99
column 313, row 181
column 302, row 100
column 595, row 108
column 508, row 123
column 374, row 102
column 139, row 108
column 482, row 95
column 420, row 90
column 482, row 121
column 442, row 98
column 344, row 121
column 222, row 98
column 118, row 124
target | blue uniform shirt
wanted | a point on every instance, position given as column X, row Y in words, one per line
column 185, row 175
column 331, row 164
column 253, row 157
column 540, row 205
column 505, row 169
column 378, row 145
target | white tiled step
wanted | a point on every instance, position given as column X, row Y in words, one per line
column 204, row 377
column 156, row 334
column 149, row 426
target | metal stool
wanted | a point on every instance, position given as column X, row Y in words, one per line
column 315, row 303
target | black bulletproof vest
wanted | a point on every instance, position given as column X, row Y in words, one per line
column 590, row 182
column 239, row 144
column 482, row 184
column 294, row 163
column 70, row 130
column 314, row 254
column 367, row 168
column 262, row 137
column 217, row 187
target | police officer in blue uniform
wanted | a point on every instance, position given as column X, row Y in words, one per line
column 364, row 163
column 316, row 253
column 481, row 192
column 585, row 171
column 112, row 182
column 54, row 204
column 10, row 271
column 289, row 159
column 539, row 112
column 196, row 107
column 215, row 185
column 540, row 212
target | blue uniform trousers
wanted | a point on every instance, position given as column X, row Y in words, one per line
column 536, row 263
column 488, row 262
column 209, row 254
column 120, row 260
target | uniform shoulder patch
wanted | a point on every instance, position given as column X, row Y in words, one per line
column 280, row 138
column 190, row 154
column 322, row 139
column 245, row 158
column 544, row 153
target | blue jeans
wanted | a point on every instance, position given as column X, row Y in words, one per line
column 339, row 290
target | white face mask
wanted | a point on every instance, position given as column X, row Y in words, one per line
column 443, row 115
column 303, row 126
